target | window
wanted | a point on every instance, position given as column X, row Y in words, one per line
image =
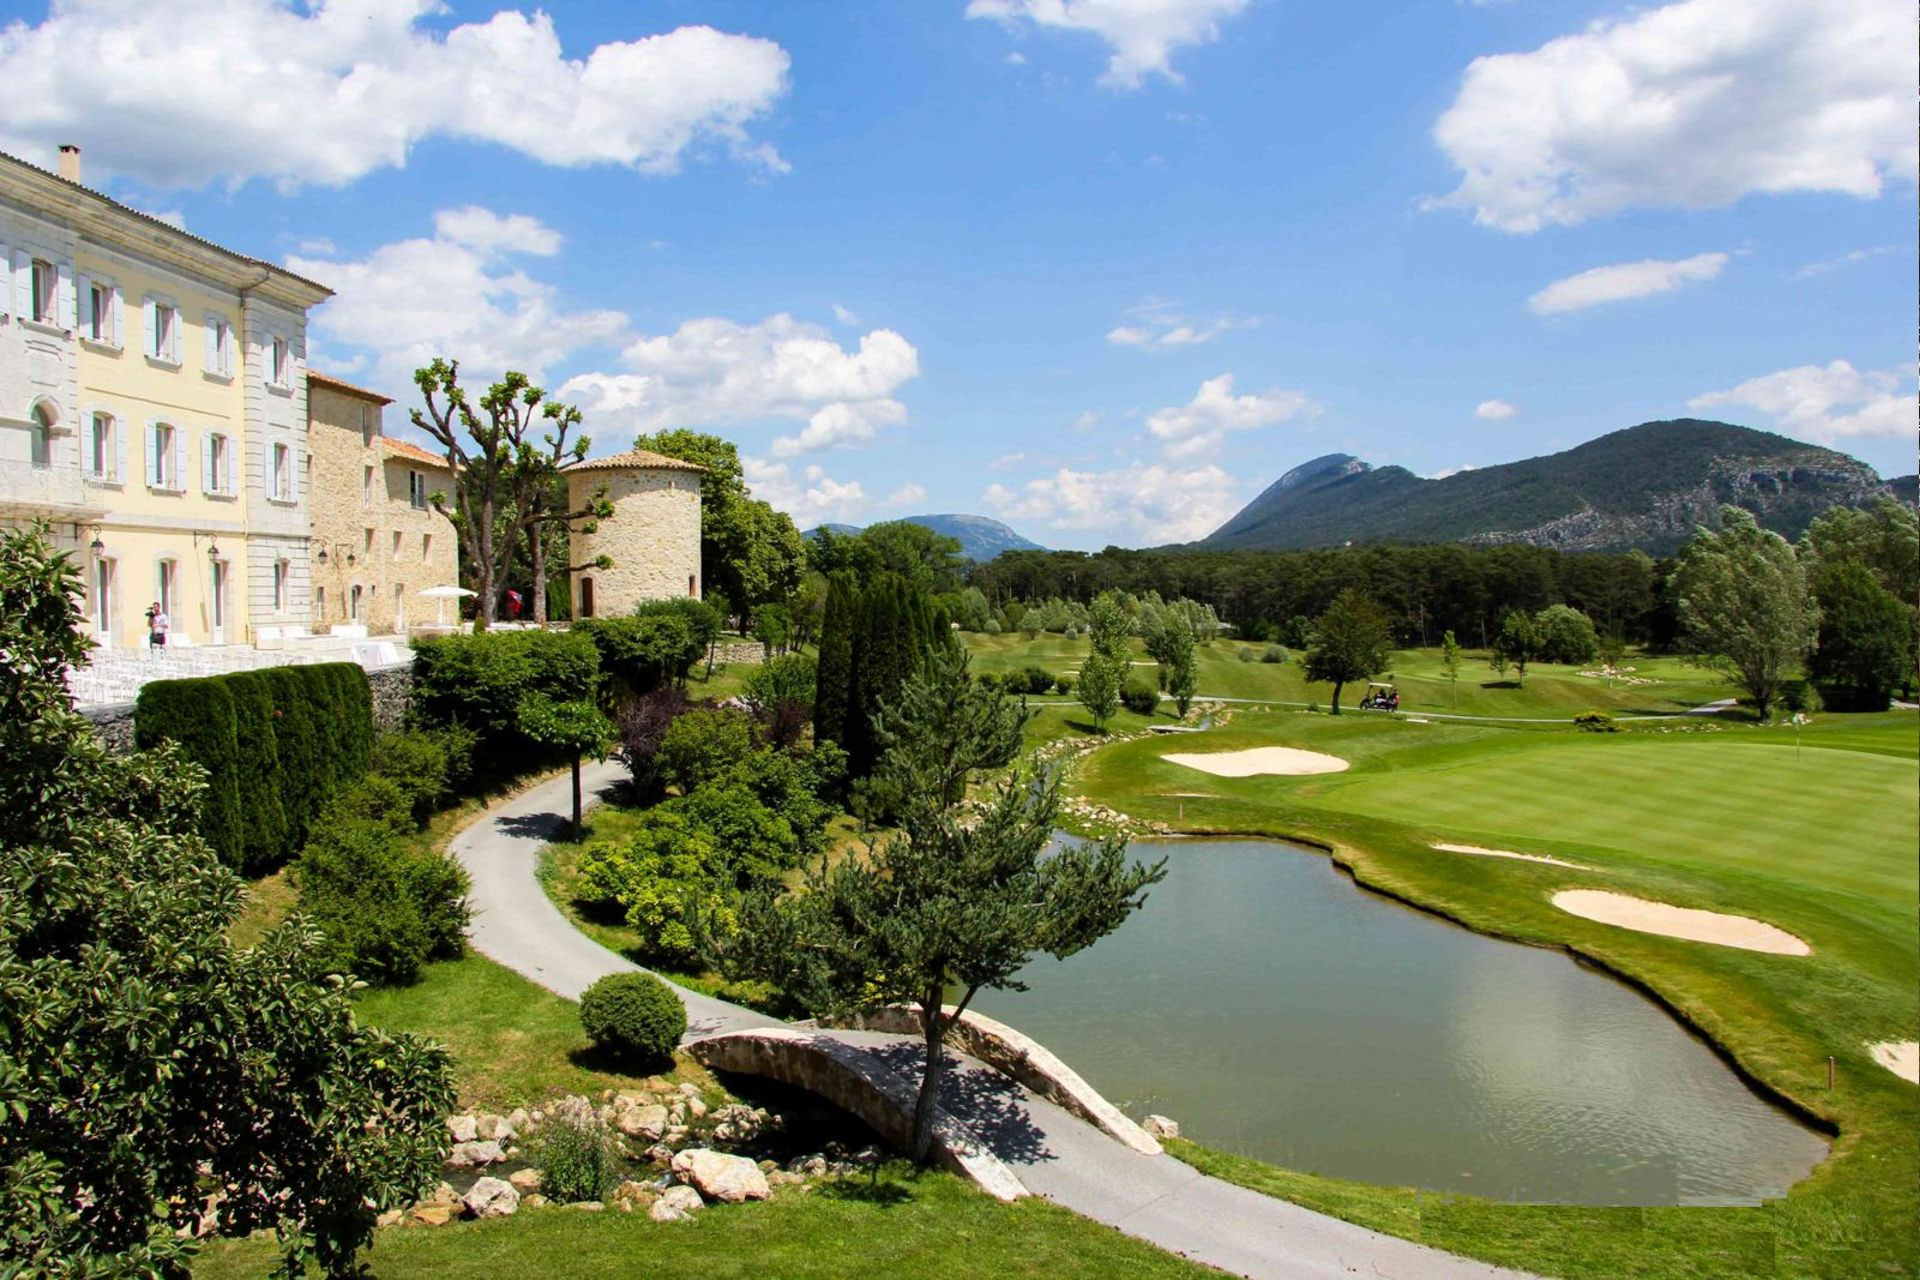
column 103, row 305
column 282, row 363
column 281, row 572
column 103, row 449
column 46, row 292
column 417, row 490
column 353, row 604
column 168, row 579
column 366, row 484
column 103, row 596
column 163, row 462
column 426, row 547
column 282, row 473
column 586, row 597
column 165, row 335
column 367, row 550
column 319, row 604
column 219, row 353
column 218, row 464
column 396, row 544
column 40, row 437
column 369, row 425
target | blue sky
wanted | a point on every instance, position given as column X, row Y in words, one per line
column 1104, row 268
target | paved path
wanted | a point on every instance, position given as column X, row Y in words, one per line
column 1155, row 1198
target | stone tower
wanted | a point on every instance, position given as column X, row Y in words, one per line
column 653, row 536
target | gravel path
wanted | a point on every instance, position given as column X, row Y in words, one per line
column 1155, row 1198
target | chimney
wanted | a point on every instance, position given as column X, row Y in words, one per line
column 70, row 162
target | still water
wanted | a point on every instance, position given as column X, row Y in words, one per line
column 1273, row 1008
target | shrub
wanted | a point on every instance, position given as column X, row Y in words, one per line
column 757, row 842
column 1595, row 722
column 1565, row 635
column 643, row 653
column 633, row 1017
column 642, row 725
column 1063, row 684
column 576, row 1155
column 704, row 618
column 427, row 766
column 789, row 678
column 665, row 882
column 374, row 799
column 307, row 780
column 701, row 745
column 264, row 842
column 993, row 627
column 479, row 680
column 383, row 909
column 1273, row 653
column 1029, row 680
column 1245, row 655
column 1799, row 697
column 199, row 715
column 1139, row 698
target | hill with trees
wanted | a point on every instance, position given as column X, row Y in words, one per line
column 980, row 538
column 1646, row 487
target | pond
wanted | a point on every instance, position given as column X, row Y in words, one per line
column 1276, row 1009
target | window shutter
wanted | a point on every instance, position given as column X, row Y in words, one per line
column 153, row 455
column 293, row 481
column 119, row 451
column 210, row 347
column 180, row 460
column 63, row 307
column 206, row 462
column 83, row 293
column 22, row 283
column 226, row 354
column 173, row 334
column 149, row 328
column 114, row 308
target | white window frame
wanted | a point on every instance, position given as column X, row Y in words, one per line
column 282, row 582
column 162, row 339
column 166, row 586
column 106, row 449
column 104, row 572
column 217, row 464
column 280, row 472
column 280, row 363
column 100, row 312
column 217, row 360
column 417, row 489
column 163, row 457
column 43, row 292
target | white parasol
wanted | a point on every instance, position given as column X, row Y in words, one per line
column 443, row 594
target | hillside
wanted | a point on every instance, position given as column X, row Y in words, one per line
column 1647, row 486
column 980, row 538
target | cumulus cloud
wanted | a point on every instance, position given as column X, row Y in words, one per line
column 1144, row 502
column 1142, row 34
column 1203, row 422
column 1825, row 402
column 1494, row 410
column 810, row 495
column 1691, row 105
column 1159, row 326
column 713, row 371
column 193, row 91
column 1622, row 281
column 905, row 496
column 455, row 293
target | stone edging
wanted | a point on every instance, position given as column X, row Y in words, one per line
column 1023, row 1059
column 856, row 1081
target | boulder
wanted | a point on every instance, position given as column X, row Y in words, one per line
column 629, row 1193
column 525, row 1181
column 1161, row 1127
column 494, row 1127
column 492, row 1198
column 587, row 1206
column 430, row 1215
column 809, row 1166
column 696, row 1104
column 463, row 1128
column 469, row 1155
column 519, row 1119
column 718, row 1176
column 648, row 1121
column 533, row 1200
column 443, row 1194
column 676, row 1203
column 391, row 1217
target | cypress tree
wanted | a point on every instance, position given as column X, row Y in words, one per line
column 300, row 764
column 833, row 676
column 199, row 715
column 264, row 842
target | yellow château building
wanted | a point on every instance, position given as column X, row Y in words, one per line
column 153, row 407
column 377, row 539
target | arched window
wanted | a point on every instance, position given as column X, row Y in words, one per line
column 40, row 437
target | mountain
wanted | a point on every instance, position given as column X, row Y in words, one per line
column 979, row 538
column 1646, row 487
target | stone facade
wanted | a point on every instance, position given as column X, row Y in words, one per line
column 373, row 515
column 652, row 538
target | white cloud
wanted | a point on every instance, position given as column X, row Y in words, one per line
column 172, row 217
column 318, row 246
column 1016, row 59
column 905, row 496
column 1813, row 270
column 1691, row 105
column 1086, row 420
column 187, row 92
column 811, row 497
column 1160, row 326
column 1006, row 462
column 843, row 315
column 1622, row 281
column 1142, row 503
column 1494, row 410
column 1825, row 402
column 713, row 371
column 454, row 294
column 1454, row 471
column 1203, row 422
column 1141, row 33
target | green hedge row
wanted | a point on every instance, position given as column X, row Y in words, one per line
column 479, row 681
column 276, row 744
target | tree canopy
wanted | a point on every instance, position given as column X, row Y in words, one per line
column 749, row 553
column 1744, row 602
column 1350, row 642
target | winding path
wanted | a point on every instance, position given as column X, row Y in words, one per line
column 1055, row 1154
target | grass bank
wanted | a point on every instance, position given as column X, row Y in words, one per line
column 1818, row 840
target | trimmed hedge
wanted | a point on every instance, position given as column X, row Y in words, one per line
column 277, row 744
column 479, row 680
column 633, row 1018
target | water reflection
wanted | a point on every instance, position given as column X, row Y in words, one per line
column 1275, row 1009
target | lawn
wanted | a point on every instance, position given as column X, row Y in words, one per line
column 1817, row 839
column 1550, row 690
column 929, row 1226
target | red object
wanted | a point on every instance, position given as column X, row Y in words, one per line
column 513, row 604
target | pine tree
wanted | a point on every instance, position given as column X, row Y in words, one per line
column 833, row 679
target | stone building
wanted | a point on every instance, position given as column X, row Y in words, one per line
column 377, row 539
column 653, row 536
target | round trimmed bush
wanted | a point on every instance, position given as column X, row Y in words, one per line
column 1140, row 699
column 633, row 1017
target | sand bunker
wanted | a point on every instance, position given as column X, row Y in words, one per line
column 1902, row 1057
column 1679, row 922
column 1478, row 852
column 1259, row 760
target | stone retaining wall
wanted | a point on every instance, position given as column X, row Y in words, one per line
column 857, row 1082
column 392, row 689
column 1023, row 1059
column 113, row 725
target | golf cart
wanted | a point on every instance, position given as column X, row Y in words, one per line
column 1380, row 697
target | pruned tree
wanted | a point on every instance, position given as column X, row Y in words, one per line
column 1350, row 642
column 960, row 897
column 1744, row 605
column 1518, row 642
column 577, row 728
column 506, row 474
column 1450, row 665
column 1173, row 646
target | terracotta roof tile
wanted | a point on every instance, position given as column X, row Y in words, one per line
column 340, row 384
column 408, row 449
column 636, row 460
